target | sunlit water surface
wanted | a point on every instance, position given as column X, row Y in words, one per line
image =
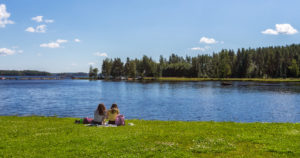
column 188, row 101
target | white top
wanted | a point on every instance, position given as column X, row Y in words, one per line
column 97, row 117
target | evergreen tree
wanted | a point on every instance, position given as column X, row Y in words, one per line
column 106, row 68
column 294, row 69
column 91, row 72
column 117, row 68
column 245, row 63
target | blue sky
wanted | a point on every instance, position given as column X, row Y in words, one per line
column 41, row 35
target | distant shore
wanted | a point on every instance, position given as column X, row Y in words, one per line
column 167, row 79
column 223, row 79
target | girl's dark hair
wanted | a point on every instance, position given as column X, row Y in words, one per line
column 101, row 109
column 113, row 108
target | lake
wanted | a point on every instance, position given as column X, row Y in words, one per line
column 186, row 101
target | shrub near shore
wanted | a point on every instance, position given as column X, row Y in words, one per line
column 60, row 137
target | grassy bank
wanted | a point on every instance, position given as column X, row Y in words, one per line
column 60, row 137
column 223, row 79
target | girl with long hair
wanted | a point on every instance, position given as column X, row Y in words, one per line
column 100, row 115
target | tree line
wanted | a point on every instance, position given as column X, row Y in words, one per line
column 23, row 73
column 265, row 62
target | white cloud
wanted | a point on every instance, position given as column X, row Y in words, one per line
column 91, row 63
column 38, row 29
column 49, row 21
column 55, row 44
column 20, row 51
column 6, row 51
column 101, row 54
column 30, row 29
column 208, row 40
column 281, row 29
column 50, row 45
column 270, row 32
column 41, row 28
column 37, row 18
column 285, row 29
column 61, row 41
column 77, row 40
column 4, row 16
column 39, row 54
column 200, row 48
column 40, row 19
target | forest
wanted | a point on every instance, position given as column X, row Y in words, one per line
column 265, row 62
column 23, row 73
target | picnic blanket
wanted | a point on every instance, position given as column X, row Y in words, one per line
column 96, row 125
column 106, row 125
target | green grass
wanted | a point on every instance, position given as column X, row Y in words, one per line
column 224, row 79
column 60, row 137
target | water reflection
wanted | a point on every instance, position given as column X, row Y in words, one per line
column 201, row 101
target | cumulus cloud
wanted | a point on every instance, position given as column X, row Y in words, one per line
column 202, row 49
column 49, row 21
column 38, row 29
column 61, row 41
column 40, row 19
column 101, row 54
column 207, row 40
column 50, row 45
column 4, row 16
column 6, row 51
column 270, row 32
column 55, row 44
column 37, row 18
column 76, row 40
column 30, row 29
column 281, row 29
column 41, row 28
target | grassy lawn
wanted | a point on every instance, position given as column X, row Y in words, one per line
column 60, row 137
column 224, row 79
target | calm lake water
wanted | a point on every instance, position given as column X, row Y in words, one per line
column 188, row 101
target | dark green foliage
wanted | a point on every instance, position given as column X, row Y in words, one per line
column 130, row 68
column 267, row 62
column 93, row 73
column 117, row 68
column 294, row 68
column 106, row 68
column 71, row 74
column 23, row 73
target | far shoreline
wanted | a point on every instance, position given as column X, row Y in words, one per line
column 183, row 79
column 160, row 79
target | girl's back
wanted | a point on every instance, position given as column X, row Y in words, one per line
column 100, row 114
column 112, row 114
column 98, row 117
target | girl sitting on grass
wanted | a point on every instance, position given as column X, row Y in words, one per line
column 100, row 115
column 112, row 114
